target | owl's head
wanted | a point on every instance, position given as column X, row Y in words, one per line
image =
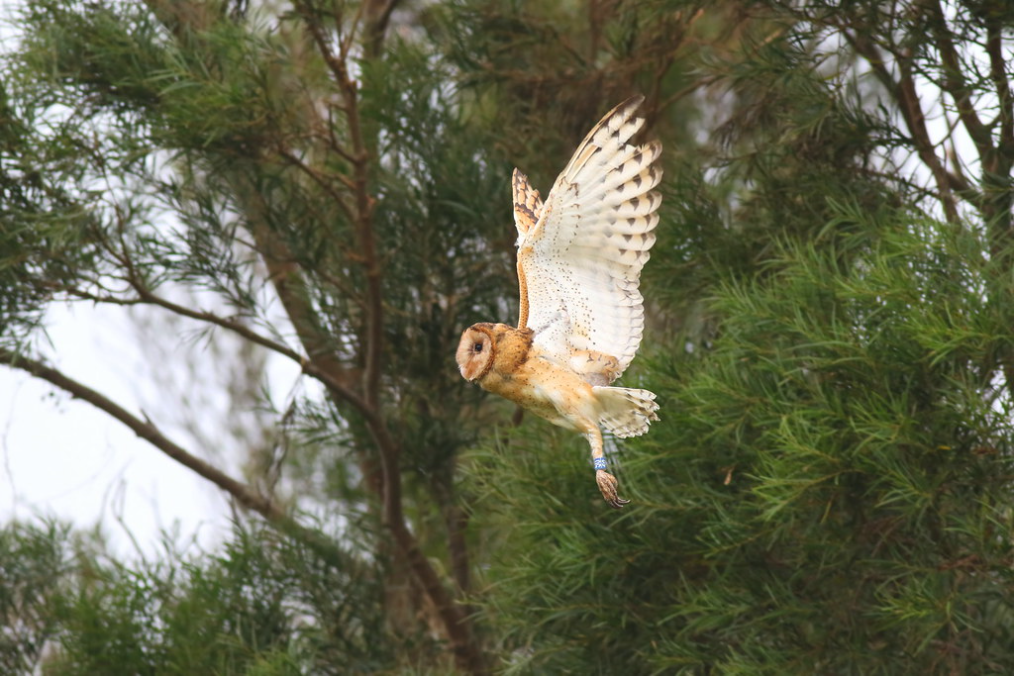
column 475, row 352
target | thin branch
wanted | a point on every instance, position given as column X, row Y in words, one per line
column 955, row 84
column 379, row 16
column 328, row 374
column 998, row 73
column 146, row 297
column 699, row 83
column 896, row 177
column 364, row 211
column 315, row 175
column 915, row 118
column 244, row 494
column 905, row 94
column 345, row 43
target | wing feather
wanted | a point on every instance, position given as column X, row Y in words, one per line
column 580, row 263
column 527, row 204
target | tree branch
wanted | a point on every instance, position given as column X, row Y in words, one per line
column 955, row 84
column 905, row 94
column 320, row 181
column 378, row 17
column 1001, row 80
column 364, row 209
column 468, row 655
column 146, row 297
column 244, row 494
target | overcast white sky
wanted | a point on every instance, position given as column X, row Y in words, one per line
column 63, row 457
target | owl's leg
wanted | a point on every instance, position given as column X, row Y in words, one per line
column 606, row 481
column 596, row 367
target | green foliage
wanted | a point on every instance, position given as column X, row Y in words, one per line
column 44, row 226
column 32, row 564
column 830, row 484
column 263, row 605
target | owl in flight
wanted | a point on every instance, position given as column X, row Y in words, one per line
column 580, row 255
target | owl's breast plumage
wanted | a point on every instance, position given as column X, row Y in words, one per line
column 539, row 384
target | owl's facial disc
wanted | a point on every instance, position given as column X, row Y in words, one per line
column 475, row 353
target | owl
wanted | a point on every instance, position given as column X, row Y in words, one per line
column 580, row 255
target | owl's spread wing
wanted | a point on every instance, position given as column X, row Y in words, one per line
column 579, row 265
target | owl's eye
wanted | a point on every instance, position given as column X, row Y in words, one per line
column 477, row 348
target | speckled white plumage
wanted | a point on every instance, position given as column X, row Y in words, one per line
column 580, row 263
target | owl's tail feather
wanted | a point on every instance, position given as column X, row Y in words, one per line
column 626, row 412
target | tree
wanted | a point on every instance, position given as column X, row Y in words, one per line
column 269, row 161
column 829, row 488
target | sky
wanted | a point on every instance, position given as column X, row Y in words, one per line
column 64, row 458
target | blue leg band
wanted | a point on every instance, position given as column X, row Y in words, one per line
column 600, row 463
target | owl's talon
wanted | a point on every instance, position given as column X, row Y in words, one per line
column 607, row 486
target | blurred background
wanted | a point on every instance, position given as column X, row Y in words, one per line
column 238, row 244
